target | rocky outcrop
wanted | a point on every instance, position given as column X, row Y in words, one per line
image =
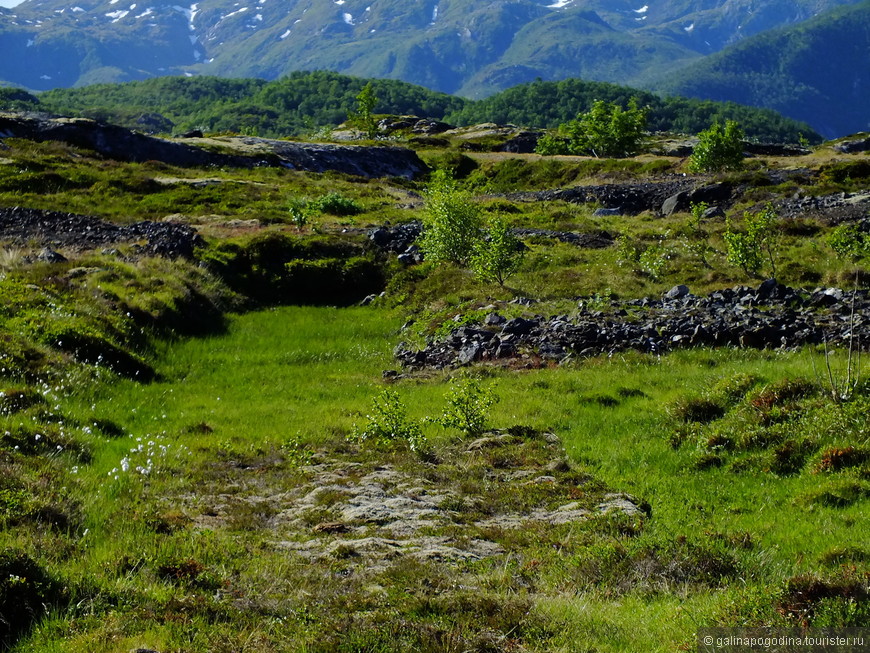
column 52, row 229
column 853, row 146
column 122, row 144
column 359, row 160
column 769, row 316
column 112, row 142
column 629, row 199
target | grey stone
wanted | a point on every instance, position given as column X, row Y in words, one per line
column 677, row 292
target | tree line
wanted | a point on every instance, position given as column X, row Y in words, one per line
column 304, row 102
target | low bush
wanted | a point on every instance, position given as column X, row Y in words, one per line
column 468, row 403
column 336, row 204
column 26, row 592
column 388, row 423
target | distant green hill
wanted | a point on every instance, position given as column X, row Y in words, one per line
column 816, row 71
column 289, row 106
column 547, row 104
column 303, row 102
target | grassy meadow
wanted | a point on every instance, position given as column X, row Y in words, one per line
column 212, row 507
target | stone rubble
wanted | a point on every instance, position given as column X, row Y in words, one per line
column 771, row 316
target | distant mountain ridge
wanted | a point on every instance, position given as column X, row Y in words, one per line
column 818, row 71
column 462, row 47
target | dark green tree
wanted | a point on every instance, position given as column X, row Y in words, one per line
column 719, row 148
column 606, row 130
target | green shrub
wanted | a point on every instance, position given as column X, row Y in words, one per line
column 606, row 130
column 388, row 423
column 452, row 222
column 468, row 403
column 718, row 148
column 848, row 241
column 299, row 211
column 694, row 237
column 552, row 144
column 759, row 243
column 336, row 204
column 499, row 255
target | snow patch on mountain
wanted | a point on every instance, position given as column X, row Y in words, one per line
column 189, row 12
column 434, row 14
column 147, row 12
column 348, row 18
column 642, row 10
column 689, row 28
column 117, row 15
column 235, row 13
column 559, row 4
column 76, row 10
column 285, row 35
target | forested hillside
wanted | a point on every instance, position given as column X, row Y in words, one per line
column 304, row 102
column 814, row 71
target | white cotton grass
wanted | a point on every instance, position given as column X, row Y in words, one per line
column 149, row 455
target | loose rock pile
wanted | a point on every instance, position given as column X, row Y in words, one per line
column 51, row 229
column 769, row 316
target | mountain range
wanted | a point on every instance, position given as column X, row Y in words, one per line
column 722, row 49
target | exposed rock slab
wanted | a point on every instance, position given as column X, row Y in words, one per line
column 374, row 514
column 123, row 144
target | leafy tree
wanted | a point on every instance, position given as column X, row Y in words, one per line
column 606, row 130
column 499, row 255
column 748, row 249
column 451, row 222
column 719, row 148
column 363, row 117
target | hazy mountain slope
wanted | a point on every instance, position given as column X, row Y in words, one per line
column 818, row 72
column 449, row 45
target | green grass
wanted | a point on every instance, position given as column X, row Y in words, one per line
column 286, row 381
column 753, row 480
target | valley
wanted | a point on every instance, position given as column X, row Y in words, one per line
column 226, row 424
